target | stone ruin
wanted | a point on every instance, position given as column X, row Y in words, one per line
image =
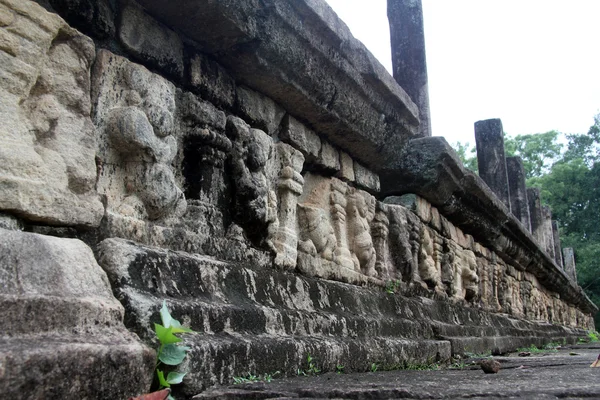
column 252, row 164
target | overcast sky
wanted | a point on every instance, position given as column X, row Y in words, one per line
column 533, row 63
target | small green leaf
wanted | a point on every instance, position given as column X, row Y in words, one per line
column 172, row 354
column 175, row 377
column 165, row 316
column 161, row 379
column 165, row 335
column 168, row 321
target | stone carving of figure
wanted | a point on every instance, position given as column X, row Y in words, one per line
column 428, row 272
column 141, row 132
column 459, row 273
column 380, row 230
column 517, row 304
column 360, row 214
column 404, row 243
column 468, row 274
column 290, row 184
column 316, row 233
column 251, row 150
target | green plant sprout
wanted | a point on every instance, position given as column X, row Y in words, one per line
column 339, row 369
column 250, row 378
column 312, row 367
column 374, row 367
column 391, row 287
column 169, row 352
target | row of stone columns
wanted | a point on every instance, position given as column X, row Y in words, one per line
column 504, row 175
column 506, row 178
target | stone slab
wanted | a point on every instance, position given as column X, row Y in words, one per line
column 150, row 41
column 542, row 377
column 301, row 55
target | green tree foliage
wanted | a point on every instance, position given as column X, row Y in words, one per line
column 467, row 154
column 537, row 151
column 570, row 184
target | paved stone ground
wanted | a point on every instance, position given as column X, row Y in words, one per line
column 559, row 375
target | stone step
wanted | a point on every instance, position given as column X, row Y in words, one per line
column 252, row 319
column 72, row 366
column 217, row 359
column 39, row 314
column 219, row 317
column 62, row 334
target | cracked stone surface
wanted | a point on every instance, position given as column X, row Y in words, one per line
column 549, row 375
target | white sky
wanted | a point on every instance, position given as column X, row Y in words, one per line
column 533, row 63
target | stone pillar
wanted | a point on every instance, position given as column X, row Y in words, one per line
column 408, row 55
column 380, row 229
column 569, row 260
column 548, row 243
column 557, row 253
column 517, row 190
column 489, row 139
column 338, row 201
column 289, row 188
column 535, row 215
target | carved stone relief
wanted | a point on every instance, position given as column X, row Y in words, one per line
column 380, row 230
column 289, row 187
column 134, row 113
column 404, row 243
column 360, row 212
column 47, row 139
column 429, row 273
column 253, row 204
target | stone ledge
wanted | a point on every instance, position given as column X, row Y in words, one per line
column 305, row 58
column 430, row 168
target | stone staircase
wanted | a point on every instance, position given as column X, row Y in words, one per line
column 259, row 320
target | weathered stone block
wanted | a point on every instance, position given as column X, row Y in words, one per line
column 366, row 178
column 134, row 112
column 61, row 317
column 202, row 113
column 329, row 157
column 408, row 55
column 535, row 214
column 569, row 260
column 548, row 244
column 302, row 138
column 92, row 17
column 211, row 80
column 346, row 167
column 47, row 139
column 558, row 257
column 259, row 110
column 150, row 41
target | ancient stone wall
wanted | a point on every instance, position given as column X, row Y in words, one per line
column 227, row 157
